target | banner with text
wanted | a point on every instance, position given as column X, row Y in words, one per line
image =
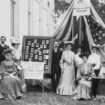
column 81, row 8
column 33, row 70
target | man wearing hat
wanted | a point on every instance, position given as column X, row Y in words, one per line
column 3, row 46
column 95, row 60
column 55, row 69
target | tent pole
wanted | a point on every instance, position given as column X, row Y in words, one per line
column 80, row 25
column 72, row 28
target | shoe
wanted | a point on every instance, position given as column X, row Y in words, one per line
column 95, row 99
column 1, row 98
column 20, row 97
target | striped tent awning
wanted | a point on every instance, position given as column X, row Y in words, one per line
column 89, row 29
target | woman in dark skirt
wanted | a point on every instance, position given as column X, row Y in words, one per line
column 95, row 60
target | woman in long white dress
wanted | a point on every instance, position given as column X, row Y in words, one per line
column 17, row 58
column 67, row 81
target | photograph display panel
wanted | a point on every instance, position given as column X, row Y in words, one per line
column 38, row 49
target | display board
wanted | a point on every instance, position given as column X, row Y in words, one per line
column 38, row 49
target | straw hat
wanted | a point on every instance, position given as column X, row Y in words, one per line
column 6, row 51
column 68, row 42
column 85, row 54
column 15, row 41
column 95, row 46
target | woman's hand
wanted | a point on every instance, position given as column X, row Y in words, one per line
column 69, row 63
column 61, row 65
column 15, row 73
column 6, row 73
column 89, row 78
column 79, row 78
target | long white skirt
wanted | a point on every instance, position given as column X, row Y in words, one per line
column 83, row 90
column 67, row 81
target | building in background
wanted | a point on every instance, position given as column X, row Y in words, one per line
column 26, row 17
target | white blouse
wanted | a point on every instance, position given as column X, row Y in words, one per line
column 95, row 59
column 67, row 56
column 78, row 60
column 16, row 54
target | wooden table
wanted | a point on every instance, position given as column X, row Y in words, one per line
column 101, row 85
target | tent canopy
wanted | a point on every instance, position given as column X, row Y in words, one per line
column 84, row 30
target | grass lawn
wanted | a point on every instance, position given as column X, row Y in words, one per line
column 36, row 97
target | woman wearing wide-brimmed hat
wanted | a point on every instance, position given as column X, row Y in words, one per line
column 95, row 60
column 17, row 58
column 84, row 70
column 67, row 80
column 12, row 84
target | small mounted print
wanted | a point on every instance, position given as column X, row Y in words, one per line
column 36, row 56
column 37, row 45
column 32, row 45
column 40, row 53
column 26, row 56
column 43, row 41
column 31, row 55
column 30, row 59
column 35, row 40
column 46, row 56
column 47, row 41
column 29, row 42
column 40, row 58
column 45, row 46
column 46, row 66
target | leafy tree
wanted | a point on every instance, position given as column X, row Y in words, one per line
column 61, row 6
column 100, row 8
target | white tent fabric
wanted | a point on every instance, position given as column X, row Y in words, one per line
column 98, row 19
column 61, row 26
column 59, row 33
column 90, row 39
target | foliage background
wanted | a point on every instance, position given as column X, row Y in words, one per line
column 61, row 6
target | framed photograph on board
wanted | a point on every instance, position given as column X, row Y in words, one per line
column 38, row 49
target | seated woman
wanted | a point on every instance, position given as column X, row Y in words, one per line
column 10, row 80
column 83, row 78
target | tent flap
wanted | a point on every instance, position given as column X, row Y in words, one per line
column 94, row 29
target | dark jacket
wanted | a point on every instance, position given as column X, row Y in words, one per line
column 56, row 56
column 2, row 57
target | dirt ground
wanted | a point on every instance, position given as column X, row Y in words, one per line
column 37, row 97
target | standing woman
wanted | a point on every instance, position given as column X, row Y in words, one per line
column 95, row 60
column 17, row 58
column 67, row 80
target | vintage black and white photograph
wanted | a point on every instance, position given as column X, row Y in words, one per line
column 52, row 52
